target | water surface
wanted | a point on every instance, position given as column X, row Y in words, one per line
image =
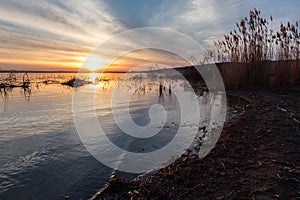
column 41, row 154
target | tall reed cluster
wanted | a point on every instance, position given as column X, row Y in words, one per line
column 254, row 41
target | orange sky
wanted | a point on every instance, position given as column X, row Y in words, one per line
column 60, row 35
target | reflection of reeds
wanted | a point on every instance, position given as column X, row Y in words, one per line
column 11, row 82
column 4, row 96
column 27, row 93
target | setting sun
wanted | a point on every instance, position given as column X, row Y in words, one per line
column 191, row 99
column 93, row 63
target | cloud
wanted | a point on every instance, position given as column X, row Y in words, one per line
column 76, row 19
column 204, row 21
column 64, row 32
column 46, row 29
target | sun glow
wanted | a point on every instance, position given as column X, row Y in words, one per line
column 93, row 63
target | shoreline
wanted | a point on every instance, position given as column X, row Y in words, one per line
column 254, row 158
column 236, row 105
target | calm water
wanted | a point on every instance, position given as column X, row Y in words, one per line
column 41, row 155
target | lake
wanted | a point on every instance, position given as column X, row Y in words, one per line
column 42, row 156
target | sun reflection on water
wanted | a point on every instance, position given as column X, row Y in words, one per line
column 93, row 77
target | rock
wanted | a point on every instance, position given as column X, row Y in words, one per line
column 75, row 82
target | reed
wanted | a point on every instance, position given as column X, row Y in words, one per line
column 254, row 55
column 254, row 41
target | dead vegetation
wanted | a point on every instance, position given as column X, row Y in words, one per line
column 255, row 158
column 11, row 81
column 253, row 41
column 264, row 74
column 255, row 55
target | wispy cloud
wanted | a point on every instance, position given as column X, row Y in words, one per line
column 61, row 33
column 206, row 21
column 49, row 29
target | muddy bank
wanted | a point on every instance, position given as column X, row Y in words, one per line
column 256, row 157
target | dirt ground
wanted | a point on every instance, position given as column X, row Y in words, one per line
column 256, row 157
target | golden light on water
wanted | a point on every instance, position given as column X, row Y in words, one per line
column 93, row 76
column 99, row 80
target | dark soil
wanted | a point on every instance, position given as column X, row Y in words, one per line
column 256, row 157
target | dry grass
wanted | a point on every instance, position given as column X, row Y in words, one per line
column 266, row 74
column 254, row 41
column 254, row 55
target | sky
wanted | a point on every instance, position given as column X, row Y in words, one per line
column 62, row 34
